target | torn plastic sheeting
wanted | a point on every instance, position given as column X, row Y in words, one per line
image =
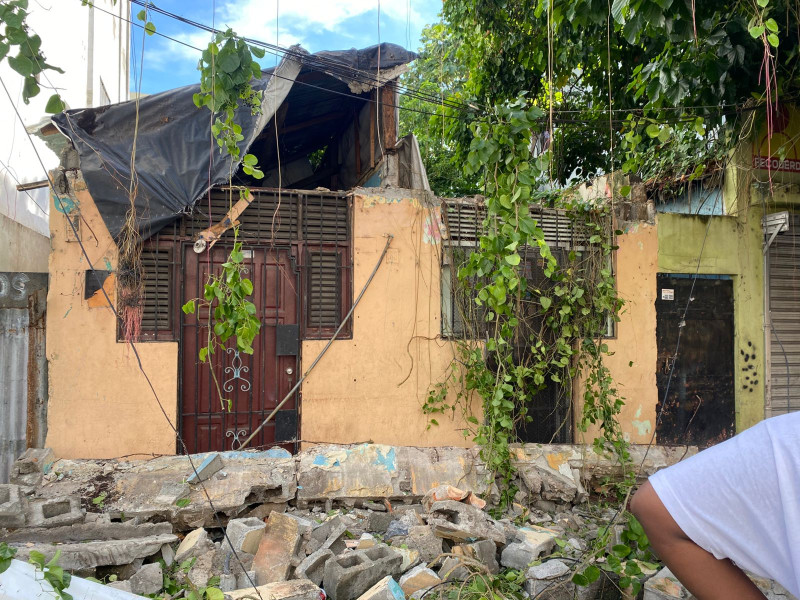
column 23, row 582
column 173, row 148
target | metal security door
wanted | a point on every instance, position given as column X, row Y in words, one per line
column 783, row 291
column 700, row 406
column 254, row 384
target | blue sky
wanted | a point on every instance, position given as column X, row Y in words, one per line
column 315, row 24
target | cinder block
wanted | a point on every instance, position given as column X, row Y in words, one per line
column 348, row 577
column 12, row 506
column 55, row 512
column 245, row 534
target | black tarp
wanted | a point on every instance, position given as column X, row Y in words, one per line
column 176, row 158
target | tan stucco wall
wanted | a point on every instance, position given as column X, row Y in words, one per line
column 633, row 359
column 100, row 404
column 373, row 386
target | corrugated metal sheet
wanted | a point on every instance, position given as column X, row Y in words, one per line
column 13, row 386
column 784, row 307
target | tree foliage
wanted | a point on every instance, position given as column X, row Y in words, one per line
column 672, row 62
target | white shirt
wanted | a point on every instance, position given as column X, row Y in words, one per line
column 740, row 499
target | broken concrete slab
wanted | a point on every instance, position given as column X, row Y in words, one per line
column 372, row 471
column 347, row 577
column 12, row 506
column 540, row 539
column 463, row 522
column 410, row 556
column 193, row 545
column 245, row 534
column 149, row 579
column 84, row 532
column 278, row 546
column 313, row 566
column 90, row 555
column 418, row 578
column 54, row 512
column 386, row 589
column 296, row 589
column 172, row 491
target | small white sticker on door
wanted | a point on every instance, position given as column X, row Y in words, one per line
column 667, row 294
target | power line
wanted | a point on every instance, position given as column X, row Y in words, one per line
column 57, row 199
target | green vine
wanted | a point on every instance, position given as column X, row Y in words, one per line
column 538, row 330
column 227, row 69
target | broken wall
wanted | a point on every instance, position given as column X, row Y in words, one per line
column 100, row 404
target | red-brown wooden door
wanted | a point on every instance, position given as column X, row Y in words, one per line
column 255, row 383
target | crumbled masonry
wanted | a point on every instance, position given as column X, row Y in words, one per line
column 347, row 523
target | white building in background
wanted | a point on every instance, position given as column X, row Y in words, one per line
column 92, row 46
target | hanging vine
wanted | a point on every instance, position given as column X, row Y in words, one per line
column 538, row 330
column 227, row 69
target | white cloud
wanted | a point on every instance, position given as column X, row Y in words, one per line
column 257, row 19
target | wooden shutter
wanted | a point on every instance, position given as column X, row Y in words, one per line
column 157, row 308
column 324, row 285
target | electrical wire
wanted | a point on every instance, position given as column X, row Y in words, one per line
column 134, row 349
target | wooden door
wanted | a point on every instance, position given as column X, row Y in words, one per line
column 254, row 384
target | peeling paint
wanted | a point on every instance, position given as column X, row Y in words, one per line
column 68, row 311
column 64, row 205
column 432, row 232
column 108, row 264
column 387, row 461
column 372, row 201
column 642, row 427
column 555, row 460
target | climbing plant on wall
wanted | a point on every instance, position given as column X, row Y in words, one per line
column 538, row 331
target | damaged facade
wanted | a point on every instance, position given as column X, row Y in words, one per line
column 346, row 186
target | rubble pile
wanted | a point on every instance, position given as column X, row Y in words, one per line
column 364, row 523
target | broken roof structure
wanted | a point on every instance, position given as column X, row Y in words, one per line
column 316, row 101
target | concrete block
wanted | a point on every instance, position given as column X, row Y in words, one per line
column 453, row 569
column 245, row 534
column 337, row 540
column 484, row 552
column 551, row 569
column 246, row 579
column 410, row 556
column 425, row 541
column 386, row 589
column 379, row 521
column 313, row 566
column 418, row 578
column 367, row 540
column 193, row 545
column 664, row 586
column 348, row 577
column 12, row 506
column 227, row 582
column 518, row 555
column 210, row 466
column 32, row 465
column 278, row 546
column 463, row 522
column 297, row 589
column 540, row 539
column 55, row 512
column 148, row 580
column 204, row 568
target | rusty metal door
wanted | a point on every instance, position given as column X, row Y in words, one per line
column 700, row 405
column 253, row 384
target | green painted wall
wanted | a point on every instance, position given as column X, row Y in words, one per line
column 732, row 247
